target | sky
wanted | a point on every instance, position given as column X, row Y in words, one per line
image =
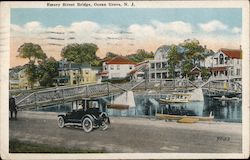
column 125, row 30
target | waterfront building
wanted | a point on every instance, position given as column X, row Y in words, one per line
column 140, row 71
column 116, row 68
column 158, row 67
column 227, row 64
column 75, row 73
column 18, row 79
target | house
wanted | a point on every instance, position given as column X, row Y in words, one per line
column 140, row 71
column 18, row 79
column 227, row 64
column 75, row 73
column 116, row 68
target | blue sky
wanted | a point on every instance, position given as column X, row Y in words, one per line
column 149, row 28
column 125, row 17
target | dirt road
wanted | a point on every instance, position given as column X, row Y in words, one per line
column 131, row 135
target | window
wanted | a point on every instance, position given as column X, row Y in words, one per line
column 216, row 60
column 238, row 72
column 86, row 72
column 221, row 59
column 152, row 65
column 238, row 61
column 152, row 75
column 118, row 67
column 111, row 67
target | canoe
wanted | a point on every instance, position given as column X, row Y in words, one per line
column 178, row 117
column 118, row 106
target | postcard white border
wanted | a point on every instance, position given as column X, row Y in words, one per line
column 4, row 63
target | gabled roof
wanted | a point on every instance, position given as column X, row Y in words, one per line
column 232, row 53
column 120, row 60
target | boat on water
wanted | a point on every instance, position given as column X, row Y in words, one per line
column 224, row 98
column 179, row 117
column 176, row 98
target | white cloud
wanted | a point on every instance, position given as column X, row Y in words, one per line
column 213, row 26
column 120, row 40
column 179, row 27
column 236, row 30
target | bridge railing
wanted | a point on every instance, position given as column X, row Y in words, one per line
column 68, row 92
column 221, row 85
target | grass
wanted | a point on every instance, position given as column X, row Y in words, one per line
column 16, row 146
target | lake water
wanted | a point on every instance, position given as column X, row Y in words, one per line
column 229, row 111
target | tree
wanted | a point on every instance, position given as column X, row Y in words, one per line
column 140, row 55
column 111, row 54
column 81, row 53
column 31, row 51
column 48, row 70
column 193, row 51
column 174, row 59
column 31, row 71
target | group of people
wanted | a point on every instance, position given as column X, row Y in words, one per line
column 12, row 108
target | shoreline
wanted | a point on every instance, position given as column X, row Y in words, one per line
column 213, row 126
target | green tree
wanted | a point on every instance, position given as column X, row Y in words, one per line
column 81, row 53
column 174, row 58
column 111, row 54
column 194, row 54
column 34, row 53
column 31, row 51
column 48, row 70
column 193, row 51
column 140, row 55
column 31, row 71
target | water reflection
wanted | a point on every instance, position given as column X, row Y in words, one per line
column 149, row 106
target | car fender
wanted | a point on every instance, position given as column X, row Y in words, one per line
column 89, row 116
column 61, row 115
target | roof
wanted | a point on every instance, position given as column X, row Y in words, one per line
column 120, row 60
column 218, row 68
column 195, row 70
column 232, row 53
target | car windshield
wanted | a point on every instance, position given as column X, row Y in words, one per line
column 93, row 104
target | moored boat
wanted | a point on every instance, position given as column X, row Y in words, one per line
column 177, row 98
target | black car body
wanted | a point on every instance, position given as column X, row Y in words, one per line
column 89, row 116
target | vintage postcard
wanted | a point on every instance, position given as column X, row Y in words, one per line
column 124, row 79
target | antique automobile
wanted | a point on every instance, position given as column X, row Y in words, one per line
column 88, row 116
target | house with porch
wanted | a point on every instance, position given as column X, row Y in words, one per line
column 75, row 73
column 116, row 68
column 227, row 64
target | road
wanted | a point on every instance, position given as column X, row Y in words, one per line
column 133, row 135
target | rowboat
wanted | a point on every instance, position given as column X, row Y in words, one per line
column 179, row 117
column 118, row 106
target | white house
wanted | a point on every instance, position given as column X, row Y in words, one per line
column 227, row 64
column 117, row 67
column 158, row 66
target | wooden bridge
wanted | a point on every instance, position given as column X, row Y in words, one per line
column 220, row 88
column 60, row 95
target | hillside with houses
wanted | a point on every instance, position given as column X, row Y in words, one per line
column 188, row 60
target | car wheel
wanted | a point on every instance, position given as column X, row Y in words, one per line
column 87, row 124
column 60, row 122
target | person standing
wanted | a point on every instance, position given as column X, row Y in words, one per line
column 12, row 107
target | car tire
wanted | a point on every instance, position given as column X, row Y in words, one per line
column 87, row 124
column 61, row 122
